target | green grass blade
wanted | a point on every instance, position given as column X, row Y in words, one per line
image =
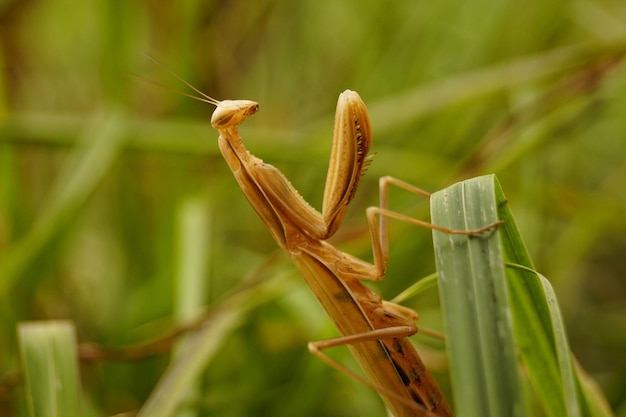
column 49, row 364
column 191, row 360
column 192, row 258
column 474, row 299
column 193, row 254
column 201, row 347
column 421, row 101
column 485, row 281
column 540, row 332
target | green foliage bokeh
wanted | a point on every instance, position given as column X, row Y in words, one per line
column 532, row 91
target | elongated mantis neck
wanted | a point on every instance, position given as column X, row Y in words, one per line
column 230, row 138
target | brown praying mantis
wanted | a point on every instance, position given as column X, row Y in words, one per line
column 375, row 331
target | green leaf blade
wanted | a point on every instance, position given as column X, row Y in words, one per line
column 475, row 302
column 50, row 368
column 540, row 332
column 495, row 304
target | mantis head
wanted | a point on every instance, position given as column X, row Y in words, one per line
column 229, row 113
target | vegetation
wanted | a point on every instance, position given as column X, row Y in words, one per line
column 118, row 214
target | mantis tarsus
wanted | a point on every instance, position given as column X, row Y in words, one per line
column 376, row 331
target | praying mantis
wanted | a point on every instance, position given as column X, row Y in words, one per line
column 374, row 330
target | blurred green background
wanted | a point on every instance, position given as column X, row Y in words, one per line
column 107, row 182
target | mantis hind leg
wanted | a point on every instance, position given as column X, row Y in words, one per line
column 317, row 348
